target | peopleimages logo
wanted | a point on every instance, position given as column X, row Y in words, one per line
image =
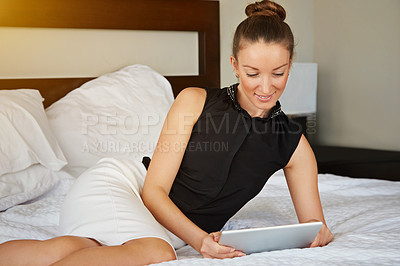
column 204, row 146
column 114, row 124
column 223, row 124
column 118, row 147
column 148, row 123
column 122, row 147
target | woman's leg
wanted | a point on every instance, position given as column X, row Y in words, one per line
column 46, row 252
column 134, row 252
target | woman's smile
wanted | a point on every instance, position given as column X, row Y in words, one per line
column 264, row 98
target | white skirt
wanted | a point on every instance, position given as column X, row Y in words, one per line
column 105, row 204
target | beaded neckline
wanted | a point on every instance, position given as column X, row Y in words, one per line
column 232, row 91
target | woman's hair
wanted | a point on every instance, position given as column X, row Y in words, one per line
column 265, row 21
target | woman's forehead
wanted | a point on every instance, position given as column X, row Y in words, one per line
column 260, row 54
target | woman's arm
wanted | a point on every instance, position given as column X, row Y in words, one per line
column 162, row 171
column 302, row 178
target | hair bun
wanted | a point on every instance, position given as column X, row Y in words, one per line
column 266, row 8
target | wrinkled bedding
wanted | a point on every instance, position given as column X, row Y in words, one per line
column 363, row 214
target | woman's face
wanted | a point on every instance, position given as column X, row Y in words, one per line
column 263, row 70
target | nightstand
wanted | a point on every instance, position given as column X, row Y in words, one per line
column 357, row 162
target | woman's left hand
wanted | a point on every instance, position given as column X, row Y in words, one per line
column 323, row 238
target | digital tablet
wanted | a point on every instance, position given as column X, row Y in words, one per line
column 271, row 238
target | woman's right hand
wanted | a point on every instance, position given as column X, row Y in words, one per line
column 210, row 248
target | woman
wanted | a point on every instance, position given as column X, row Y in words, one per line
column 215, row 152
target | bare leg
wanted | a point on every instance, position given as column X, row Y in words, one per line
column 36, row 252
column 135, row 252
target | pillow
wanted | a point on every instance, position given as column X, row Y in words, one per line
column 19, row 187
column 25, row 134
column 118, row 115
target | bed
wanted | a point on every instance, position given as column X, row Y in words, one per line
column 119, row 114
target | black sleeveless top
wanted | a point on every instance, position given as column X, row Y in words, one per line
column 229, row 158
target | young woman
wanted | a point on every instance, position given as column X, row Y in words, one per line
column 216, row 150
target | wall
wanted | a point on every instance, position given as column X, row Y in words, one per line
column 231, row 14
column 357, row 47
column 90, row 53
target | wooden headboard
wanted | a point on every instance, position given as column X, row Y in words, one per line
column 201, row 16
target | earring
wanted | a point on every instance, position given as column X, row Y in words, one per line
column 237, row 75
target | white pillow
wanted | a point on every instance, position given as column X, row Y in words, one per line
column 25, row 135
column 118, row 115
column 19, row 187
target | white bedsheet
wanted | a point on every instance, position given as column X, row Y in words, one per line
column 363, row 214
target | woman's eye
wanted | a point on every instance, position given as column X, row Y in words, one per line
column 278, row 74
column 251, row 75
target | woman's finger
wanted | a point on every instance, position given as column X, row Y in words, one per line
column 216, row 236
column 232, row 255
column 323, row 238
column 212, row 249
column 315, row 243
column 224, row 252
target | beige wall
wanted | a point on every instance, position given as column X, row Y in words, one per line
column 231, row 14
column 356, row 45
column 42, row 52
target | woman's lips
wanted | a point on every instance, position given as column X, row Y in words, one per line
column 264, row 98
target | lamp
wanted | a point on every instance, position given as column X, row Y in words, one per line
column 300, row 95
column 299, row 100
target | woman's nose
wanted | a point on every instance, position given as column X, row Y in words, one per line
column 265, row 84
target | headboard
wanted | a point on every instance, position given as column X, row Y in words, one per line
column 201, row 16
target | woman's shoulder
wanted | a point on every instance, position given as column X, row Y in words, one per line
column 190, row 101
column 201, row 96
column 198, row 100
column 192, row 94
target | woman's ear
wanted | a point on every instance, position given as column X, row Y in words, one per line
column 234, row 65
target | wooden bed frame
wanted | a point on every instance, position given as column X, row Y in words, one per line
column 201, row 16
